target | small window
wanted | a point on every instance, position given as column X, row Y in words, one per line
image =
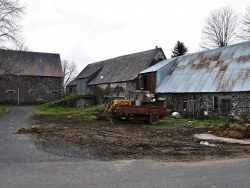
column 184, row 105
column 11, row 92
column 215, row 103
column 70, row 89
column 54, row 92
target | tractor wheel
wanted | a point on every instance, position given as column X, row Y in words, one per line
column 154, row 120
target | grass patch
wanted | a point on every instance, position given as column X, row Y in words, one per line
column 2, row 110
column 47, row 109
column 62, row 106
column 91, row 112
column 86, row 113
column 172, row 122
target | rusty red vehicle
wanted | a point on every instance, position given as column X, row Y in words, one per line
column 141, row 106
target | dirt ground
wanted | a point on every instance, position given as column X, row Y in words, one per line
column 93, row 139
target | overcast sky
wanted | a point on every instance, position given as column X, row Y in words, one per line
column 87, row 31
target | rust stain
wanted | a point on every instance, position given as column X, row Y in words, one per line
column 219, row 63
column 206, row 65
column 243, row 59
column 209, row 58
column 199, row 67
column 203, row 60
column 216, row 56
column 223, row 67
column 194, row 66
column 220, row 85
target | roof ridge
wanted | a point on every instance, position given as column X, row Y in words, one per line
column 204, row 51
column 28, row 51
column 123, row 56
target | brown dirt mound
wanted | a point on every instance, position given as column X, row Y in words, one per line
column 235, row 130
column 74, row 136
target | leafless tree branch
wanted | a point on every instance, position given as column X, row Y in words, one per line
column 245, row 25
column 69, row 71
column 10, row 13
column 220, row 28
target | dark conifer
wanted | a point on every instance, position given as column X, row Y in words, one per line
column 179, row 49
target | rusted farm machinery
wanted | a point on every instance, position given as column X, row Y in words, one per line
column 141, row 106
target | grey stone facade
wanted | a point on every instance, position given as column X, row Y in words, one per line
column 71, row 90
column 104, row 92
column 218, row 104
column 30, row 89
column 116, row 77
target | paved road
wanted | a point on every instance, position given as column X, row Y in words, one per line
column 23, row 165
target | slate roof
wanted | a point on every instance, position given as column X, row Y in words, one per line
column 72, row 83
column 31, row 63
column 119, row 69
column 224, row 69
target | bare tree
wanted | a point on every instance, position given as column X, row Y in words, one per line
column 220, row 28
column 21, row 44
column 10, row 13
column 10, row 63
column 69, row 72
column 245, row 25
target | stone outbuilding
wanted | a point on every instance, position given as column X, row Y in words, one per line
column 214, row 82
column 30, row 77
column 116, row 77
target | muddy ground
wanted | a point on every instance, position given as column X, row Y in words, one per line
column 73, row 136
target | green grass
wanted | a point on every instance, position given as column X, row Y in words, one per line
column 87, row 113
column 91, row 112
column 2, row 110
column 47, row 109
column 171, row 122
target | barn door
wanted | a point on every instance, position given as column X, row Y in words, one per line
column 226, row 106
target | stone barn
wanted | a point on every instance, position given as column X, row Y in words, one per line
column 214, row 82
column 30, row 77
column 116, row 77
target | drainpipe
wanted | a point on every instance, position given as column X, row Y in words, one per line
column 18, row 101
column 18, row 94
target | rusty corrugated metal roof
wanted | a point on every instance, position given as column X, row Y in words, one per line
column 224, row 69
column 31, row 63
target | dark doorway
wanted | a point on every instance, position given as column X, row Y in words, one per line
column 145, row 82
column 226, row 106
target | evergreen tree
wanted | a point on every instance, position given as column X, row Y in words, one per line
column 179, row 49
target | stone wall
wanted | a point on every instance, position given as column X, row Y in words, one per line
column 78, row 101
column 107, row 92
column 71, row 90
column 218, row 104
column 31, row 89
